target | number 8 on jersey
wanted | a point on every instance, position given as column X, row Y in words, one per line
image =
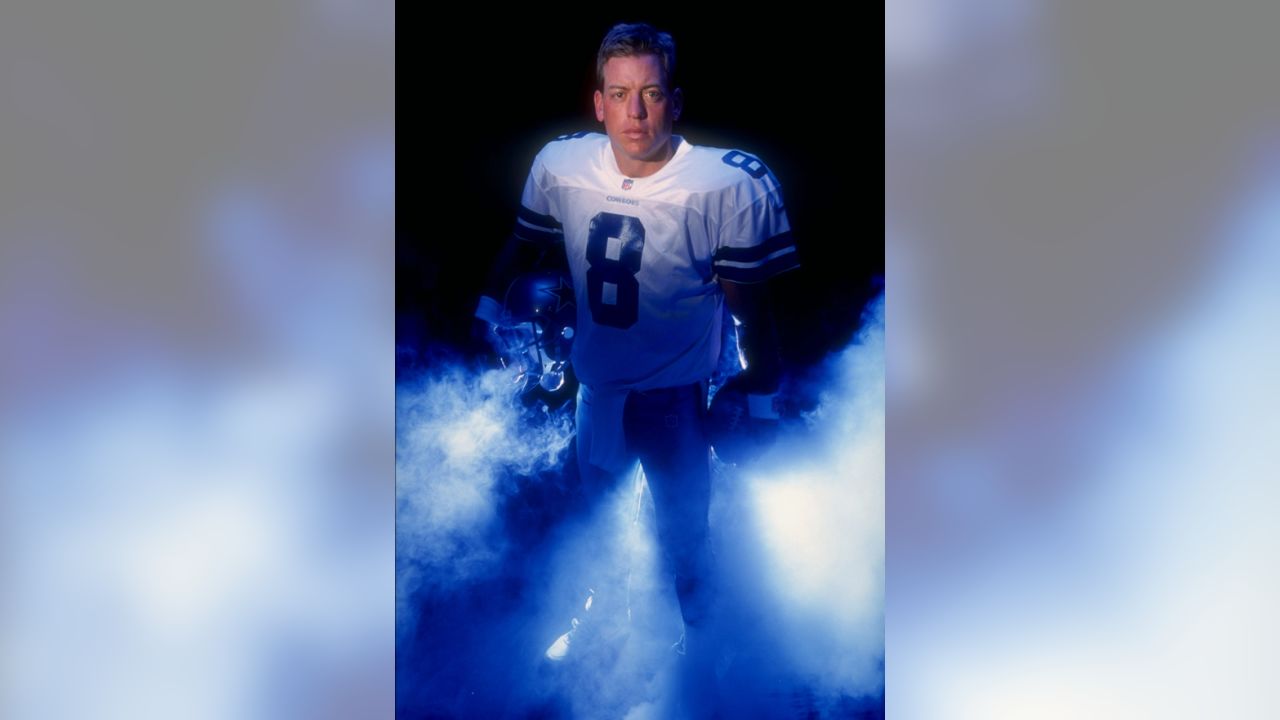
column 615, row 245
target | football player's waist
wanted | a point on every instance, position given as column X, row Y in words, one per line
column 679, row 392
column 621, row 378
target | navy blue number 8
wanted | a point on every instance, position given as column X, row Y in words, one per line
column 619, row 272
column 750, row 164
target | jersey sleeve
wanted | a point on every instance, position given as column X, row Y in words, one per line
column 755, row 242
column 536, row 221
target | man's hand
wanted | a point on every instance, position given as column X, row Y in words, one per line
column 758, row 396
column 485, row 324
column 741, row 425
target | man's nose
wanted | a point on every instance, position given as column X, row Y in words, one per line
column 635, row 106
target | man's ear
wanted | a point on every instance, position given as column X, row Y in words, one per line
column 677, row 103
column 599, row 102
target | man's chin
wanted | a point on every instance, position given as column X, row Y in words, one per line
column 633, row 149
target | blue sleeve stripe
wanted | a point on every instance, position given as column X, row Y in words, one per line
column 756, row 253
column 755, row 264
column 780, row 263
column 536, row 235
column 542, row 222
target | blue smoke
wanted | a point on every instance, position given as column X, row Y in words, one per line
column 799, row 542
column 801, row 546
column 461, row 438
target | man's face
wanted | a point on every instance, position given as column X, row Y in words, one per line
column 637, row 110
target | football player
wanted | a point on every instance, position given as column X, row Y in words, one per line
column 660, row 234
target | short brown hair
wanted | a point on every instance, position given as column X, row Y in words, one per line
column 631, row 39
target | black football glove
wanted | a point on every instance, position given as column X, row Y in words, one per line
column 742, row 422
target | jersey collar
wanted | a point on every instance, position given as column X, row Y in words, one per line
column 611, row 162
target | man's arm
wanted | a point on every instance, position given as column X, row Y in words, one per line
column 534, row 231
column 757, row 337
column 516, row 257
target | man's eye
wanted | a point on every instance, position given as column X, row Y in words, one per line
column 655, row 95
column 618, row 94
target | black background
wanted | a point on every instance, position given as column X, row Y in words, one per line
column 478, row 99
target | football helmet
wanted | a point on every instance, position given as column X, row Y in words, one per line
column 537, row 328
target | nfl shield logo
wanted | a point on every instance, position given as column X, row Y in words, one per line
column 626, row 184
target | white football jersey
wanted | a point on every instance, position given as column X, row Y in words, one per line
column 645, row 253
